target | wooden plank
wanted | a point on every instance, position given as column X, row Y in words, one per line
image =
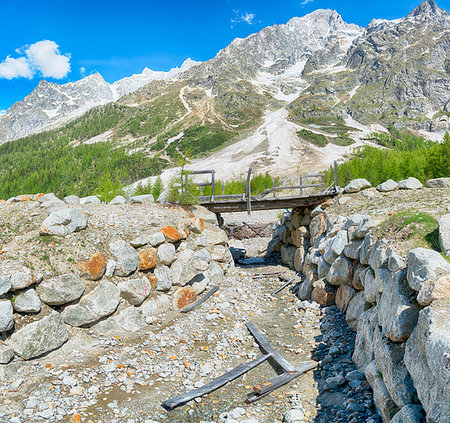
column 265, row 388
column 200, row 172
column 286, row 366
column 202, row 184
column 284, row 285
column 172, row 403
column 190, row 307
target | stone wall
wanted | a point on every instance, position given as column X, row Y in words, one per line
column 399, row 307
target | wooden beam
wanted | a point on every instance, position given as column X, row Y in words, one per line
column 172, row 403
column 284, row 285
column 286, row 366
column 191, row 307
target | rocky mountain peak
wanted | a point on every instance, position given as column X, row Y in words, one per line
column 427, row 9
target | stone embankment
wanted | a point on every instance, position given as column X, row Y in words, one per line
column 399, row 305
column 124, row 281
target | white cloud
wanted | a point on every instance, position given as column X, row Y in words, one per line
column 305, row 2
column 15, row 68
column 83, row 71
column 46, row 58
column 239, row 17
column 42, row 58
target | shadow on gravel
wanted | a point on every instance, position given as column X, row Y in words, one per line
column 345, row 395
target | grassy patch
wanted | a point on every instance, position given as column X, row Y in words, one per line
column 417, row 229
column 316, row 139
column 342, row 141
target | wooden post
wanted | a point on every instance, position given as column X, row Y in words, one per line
column 301, row 186
column 213, row 185
column 336, row 186
column 247, row 191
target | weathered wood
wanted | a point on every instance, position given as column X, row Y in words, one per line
column 172, row 403
column 265, row 388
column 284, row 285
column 247, row 191
column 191, row 307
column 275, row 355
column 200, row 172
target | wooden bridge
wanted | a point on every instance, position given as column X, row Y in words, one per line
column 309, row 194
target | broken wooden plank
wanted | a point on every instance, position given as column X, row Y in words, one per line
column 172, row 403
column 284, row 285
column 190, row 307
column 265, row 388
column 276, row 356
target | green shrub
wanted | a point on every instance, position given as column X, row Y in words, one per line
column 107, row 188
column 316, row 139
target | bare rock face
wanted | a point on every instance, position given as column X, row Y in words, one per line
column 99, row 303
column 39, row 337
column 64, row 222
column 427, row 355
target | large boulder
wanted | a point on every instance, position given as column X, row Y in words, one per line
column 92, row 199
column 5, row 285
column 370, row 288
column 72, row 200
column 363, row 353
column 15, row 275
column 444, row 233
column 99, row 303
column 183, row 296
column 323, row 293
column 317, row 227
column 389, row 185
column 164, row 277
column 126, row 257
column 154, row 307
column 39, row 337
column 427, row 356
column 27, row 302
column 410, row 183
column 288, row 254
column 384, row 404
column 344, row 294
column 6, row 316
column 340, row 271
column 434, row 289
column 64, row 222
column 61, row 289
column 166, row 254
column 397, row 308
column 411, row 413
column 118, row 199
column 355, row 308
column 438, row 183
column 389, row 358
column 182, row 269
column 357, row 185
column 94, row 268
column 129, row 320
column 336, row 247
column 423, row 265
column 147, row 259
column 135, row 290
column 142, row 199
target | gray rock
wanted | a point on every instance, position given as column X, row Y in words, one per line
column 5, row 285
column 389, row 359
column 135, row 290
column 397, row 308
column 343, row 296
column 6, row 316
column 355, row 220
column 370, row 288
column 288, row 254
column 166, row 254
column 47, row 197
column 215, row 236
column 340, row 271
column 61, row 289
column 72, row 200
column 219, row 253
column 15, row 275
column 92, row 199
column 39, row 337
column 322, row 268
column 110, row 268
column 154, row 307
column 295, row 415
column 336, row 247
column 142, row 199
column 99, row 303
column 389, row 185
column 424, row 265
column 356, row 307
column 438, row 183
column 384, row 404
column 379, row 255
column 118, row 199
column 6, row 353
column 366, row 249
column 363, row 353
column 444, row 233
column 199, row 282
column 364, row 228
column 411, row 413
column 126, row 257
column 357, row 185
column 395, row 261
column 156, row 239
column 139, row 241
column 427, row 356
column 182, row 268
column 215, row 273
column 410, row 183
column 27, row 302
column 305, row 290
column 64, row 222
column 353, row 249
column 129, row 320
column 54, row 205
column 165, row 278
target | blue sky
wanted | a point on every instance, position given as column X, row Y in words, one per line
column 62, row 41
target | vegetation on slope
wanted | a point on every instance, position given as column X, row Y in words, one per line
column 406, row 156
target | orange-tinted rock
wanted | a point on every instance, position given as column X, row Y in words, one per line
column 94, row 268
column 153, row 280
column 172, row 234
column 24, row 197
column 323, row 293
column 39, row 196
column 197, row 225
column 147, row 259
column 183, row 296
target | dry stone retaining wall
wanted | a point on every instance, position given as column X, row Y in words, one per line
column 399, row 307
